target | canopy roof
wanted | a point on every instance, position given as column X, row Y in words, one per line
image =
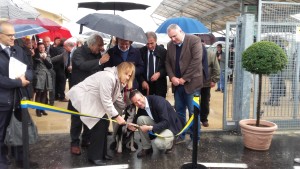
column 212, row 13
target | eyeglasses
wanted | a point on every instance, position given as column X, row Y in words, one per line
column 9, row 35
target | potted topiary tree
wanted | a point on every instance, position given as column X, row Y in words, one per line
column 262, row 58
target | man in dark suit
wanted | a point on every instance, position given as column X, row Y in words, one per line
column 155, row 114
column 86, row 61
column 125, row 52
column 153, row 81
column 11, row 90
column 184, row 68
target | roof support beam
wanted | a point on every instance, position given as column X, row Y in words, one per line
column 184, row 6
column 218, row 8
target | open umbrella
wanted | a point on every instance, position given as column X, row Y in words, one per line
column 188, row 25
column 43, row 22
column 120, row 6
column 23, row 30
column 61, row 32
column 17, row 9
column 114, row 25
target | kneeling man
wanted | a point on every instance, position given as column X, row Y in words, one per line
column 155, row 114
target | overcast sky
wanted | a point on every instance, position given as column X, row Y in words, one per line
column 69, row 8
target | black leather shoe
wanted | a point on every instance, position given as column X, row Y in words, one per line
column 168, row 151
column 97, row 162
column 144, row 152
column 44, row 113
column 107, row 157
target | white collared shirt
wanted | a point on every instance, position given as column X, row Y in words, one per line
column 147, row 108
column 3, row 46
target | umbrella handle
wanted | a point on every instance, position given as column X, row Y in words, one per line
column 81, row 28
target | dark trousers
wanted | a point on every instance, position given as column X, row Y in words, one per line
column 76, row 128
column 17, row 151
column 60, row 84
column 205, row 99
column 52, row 92
column 98, row 147
column 154, row 91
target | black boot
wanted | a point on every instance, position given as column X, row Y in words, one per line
column 38, row 113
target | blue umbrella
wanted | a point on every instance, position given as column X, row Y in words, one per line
column 188, row 25
column 23, row 30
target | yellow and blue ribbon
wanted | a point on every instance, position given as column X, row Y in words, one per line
column 41, row 106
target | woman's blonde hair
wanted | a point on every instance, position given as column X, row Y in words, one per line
column 126, row 67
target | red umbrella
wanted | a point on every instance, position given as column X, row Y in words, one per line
column 43, row 22
column 61, row 33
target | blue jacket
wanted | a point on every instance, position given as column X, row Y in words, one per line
column 7, row 85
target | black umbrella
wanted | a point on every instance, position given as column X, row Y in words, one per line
column 120, row 6
column 114, row 25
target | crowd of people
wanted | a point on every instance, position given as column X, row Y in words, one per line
column 104, row 84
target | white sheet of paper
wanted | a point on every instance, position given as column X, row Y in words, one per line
column 16, row 68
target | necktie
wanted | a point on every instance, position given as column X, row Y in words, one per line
column 7, row 50
column 150, row 65
column 68, row 60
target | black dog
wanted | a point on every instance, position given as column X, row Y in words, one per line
column 125, row 137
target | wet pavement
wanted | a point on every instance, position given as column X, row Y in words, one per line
column 218, row 149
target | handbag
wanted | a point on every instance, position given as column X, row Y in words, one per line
column 13, row 135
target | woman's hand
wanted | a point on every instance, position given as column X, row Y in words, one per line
column 120, row 120
column 132, row 126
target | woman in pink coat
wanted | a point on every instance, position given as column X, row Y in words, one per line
column 97, row 96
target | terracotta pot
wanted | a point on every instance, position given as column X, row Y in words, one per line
column 257, row 138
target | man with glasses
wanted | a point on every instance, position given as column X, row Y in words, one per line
column 86, row 61
column 8, row 99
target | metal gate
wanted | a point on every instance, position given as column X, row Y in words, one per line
column 278, row 22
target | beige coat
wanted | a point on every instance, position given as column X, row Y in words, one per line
column 190, row 62
column 96, row 96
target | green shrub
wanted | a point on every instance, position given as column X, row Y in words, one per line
column 264, row 57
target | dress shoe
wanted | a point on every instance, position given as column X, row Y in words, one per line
column 44, row 113
column 75, row 150
column 168, row 151
column 32, row 164
column 97, row 162
column 205, row 124
column 217, row 90
column 144, row 152
column 63, row 100
column 107, row 157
